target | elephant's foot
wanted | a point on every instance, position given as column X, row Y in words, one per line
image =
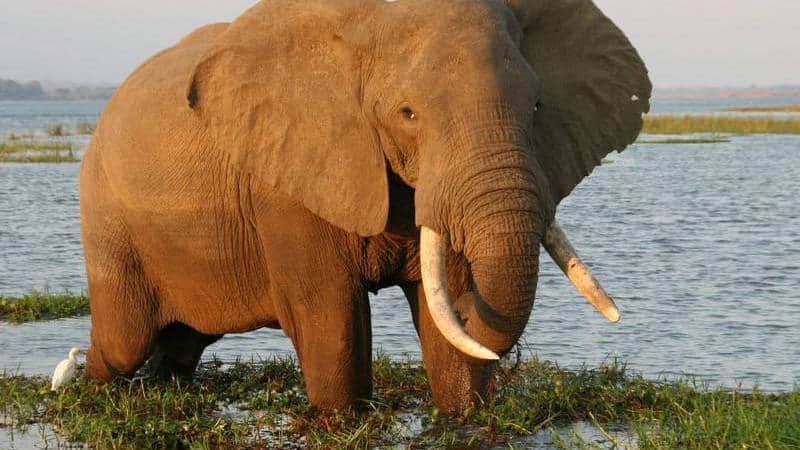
column 106, row 362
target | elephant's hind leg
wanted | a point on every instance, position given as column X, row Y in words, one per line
column 178, row 351
column 123, row 303
column 124, row 322
column 124, row 316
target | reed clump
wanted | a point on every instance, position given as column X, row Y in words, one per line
column 85, row 128
column 57, row 130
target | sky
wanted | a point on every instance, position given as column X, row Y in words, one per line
column 685, row 43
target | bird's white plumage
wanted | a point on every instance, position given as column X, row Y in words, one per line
column 65, row 370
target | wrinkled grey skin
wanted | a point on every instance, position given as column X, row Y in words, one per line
column 272, row 171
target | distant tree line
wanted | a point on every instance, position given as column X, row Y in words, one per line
column 33, row 90
column 12, row 90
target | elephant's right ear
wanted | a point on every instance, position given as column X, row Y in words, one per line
column 280, row 101
column 595, row 87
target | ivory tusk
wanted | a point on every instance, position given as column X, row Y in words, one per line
column 562, row 252
column 433, row 251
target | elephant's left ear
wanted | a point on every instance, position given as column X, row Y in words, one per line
column 278, row 94
column 595, row 87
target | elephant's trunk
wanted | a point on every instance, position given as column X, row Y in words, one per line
column 495, row 212
column 495, row 206
column 502, row 247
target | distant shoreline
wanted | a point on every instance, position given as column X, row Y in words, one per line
column 723, row 93
column 11, row 90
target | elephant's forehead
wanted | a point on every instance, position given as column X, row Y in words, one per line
column 451, row 16
column 455, row 31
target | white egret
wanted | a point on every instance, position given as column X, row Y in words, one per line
column 65, row 370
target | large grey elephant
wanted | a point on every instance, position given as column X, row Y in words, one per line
column 271, row 171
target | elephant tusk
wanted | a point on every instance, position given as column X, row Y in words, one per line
column 562, row 252
column 433, row 251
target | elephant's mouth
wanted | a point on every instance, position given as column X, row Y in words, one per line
column 433, row 248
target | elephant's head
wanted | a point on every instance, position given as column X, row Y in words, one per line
column 491, row 111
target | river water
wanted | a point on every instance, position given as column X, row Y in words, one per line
column 699, row 245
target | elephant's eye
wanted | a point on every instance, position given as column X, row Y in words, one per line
column 408, row 113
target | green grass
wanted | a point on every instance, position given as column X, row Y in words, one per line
column 263, row 405
column 16, row 146
column 669, row 124
column 42, row 306
column 18, row 151
column 85, row 128
column 772, row 108
column 57, row 130
column 679, row 141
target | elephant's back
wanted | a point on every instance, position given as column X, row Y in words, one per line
column 167, row 72
column 147, row 126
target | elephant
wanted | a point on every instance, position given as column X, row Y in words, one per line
column 275, row 170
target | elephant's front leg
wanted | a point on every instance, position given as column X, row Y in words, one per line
column 457, row 381
column 332, row 335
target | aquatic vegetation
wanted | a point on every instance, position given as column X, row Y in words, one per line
column 16, row 146
column 670, row 124
column 262, row 404
column 85, row 128
column 57, row 130
column 679, row 141
column 772, row 108
column 16, row 137
column 42, row 306
column 29, row 151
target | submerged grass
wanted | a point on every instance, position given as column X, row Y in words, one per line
column 42, row 306
column 263, row 405
column 670, row 124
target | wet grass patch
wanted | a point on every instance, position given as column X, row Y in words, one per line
column 57, row 130
column 262, row 404
column 30, row 151
column 42, row 306
column 688, row 124
column 85, row 128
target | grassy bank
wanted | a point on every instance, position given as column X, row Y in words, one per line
column 263, row 405
column 42, row 306
column 670, row 124
column 29, row 151
column 773, row 108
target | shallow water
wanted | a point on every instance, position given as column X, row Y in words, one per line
column 699, row 244
column 28, row 116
